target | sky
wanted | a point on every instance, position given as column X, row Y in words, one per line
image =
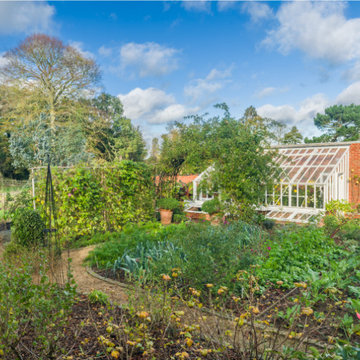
column 166, row 60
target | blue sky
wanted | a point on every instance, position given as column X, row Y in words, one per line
column 166, row 60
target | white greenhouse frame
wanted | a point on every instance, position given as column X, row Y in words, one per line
column 311, row 176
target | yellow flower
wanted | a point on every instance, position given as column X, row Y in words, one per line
column 115, row 354
column 301, row 284
column 279, row 282
column 189, row 342
column 254, row 309
column 307, row 311
column 142, row 314
column 174, row 274
column 166, row 277
column 209, row 285
column 131, row 343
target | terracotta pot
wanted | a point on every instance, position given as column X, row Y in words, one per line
column 166, row 216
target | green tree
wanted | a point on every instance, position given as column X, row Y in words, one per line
column 33, row 143
column 237, row 150
column 339, row 123
column 110, row 134
column 6, row 161
column 292, row 137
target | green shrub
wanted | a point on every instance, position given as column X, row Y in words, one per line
column 90, row 200
column 331, row 223
column 28, row 227
column 41, row 310
column 297, row 254
column 351, row 230
column 168, row 204
column 211, row 206
column 268, row 224
column 98, row 297
column 178, row 218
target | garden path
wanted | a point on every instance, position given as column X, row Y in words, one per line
column 86, row 283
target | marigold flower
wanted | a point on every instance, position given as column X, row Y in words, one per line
column 166, row 277
column 209, row 285
column 174, row 275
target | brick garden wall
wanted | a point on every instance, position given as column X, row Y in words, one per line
column 354, row 176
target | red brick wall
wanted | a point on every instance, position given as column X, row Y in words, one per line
column 354, row 176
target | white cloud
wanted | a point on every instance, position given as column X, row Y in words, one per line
column 265, row 92
column 149, row 59
column 105, row 51
column 319, row 29
column 257, row 10
column 201, row 89
column 25, row 17
column 3, row 60
column 350, row 95
column 302, row 116
column 268, row 91
column 198, row 6
column 79, row 46
column 153, row 105
column 226, row 5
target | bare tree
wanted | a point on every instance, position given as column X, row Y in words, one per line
column 42, row 75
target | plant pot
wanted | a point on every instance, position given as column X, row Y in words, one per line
column 166, row 216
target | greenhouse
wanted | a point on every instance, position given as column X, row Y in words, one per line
column 311, row 176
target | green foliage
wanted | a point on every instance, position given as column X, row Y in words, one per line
column 237, row 150
column 297, row 254
column 111, row 135
column 32, row 143
column 6, row 168
column 28, row 227
column 98, row 297
column 20, row 200
column 178, row 218
column 168, row 204
column 211, row 206
column 338, row 207
column 336, row 220
column 293, row 136
column 268, row 224
column 28, row 308
column 203, row 253
column 339, row 123
column 90, row 200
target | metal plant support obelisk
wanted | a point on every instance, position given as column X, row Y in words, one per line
column 51, row 235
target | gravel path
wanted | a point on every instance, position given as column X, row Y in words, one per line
column 86, row 283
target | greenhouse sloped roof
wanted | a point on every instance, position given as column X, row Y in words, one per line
column 309, row 165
